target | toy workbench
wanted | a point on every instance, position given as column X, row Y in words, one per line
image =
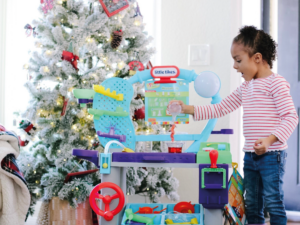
column 115, row 130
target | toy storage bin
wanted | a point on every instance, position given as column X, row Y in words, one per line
column 188, row 217
column 158, row 220
column 198, row 208
column 135, row 207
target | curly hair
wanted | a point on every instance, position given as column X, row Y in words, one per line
column 257, row 41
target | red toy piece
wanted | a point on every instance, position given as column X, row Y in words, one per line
column 148, row 210
column 184, row 207
column 213, row 155
column 107, row 214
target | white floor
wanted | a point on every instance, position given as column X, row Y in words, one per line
column 32, row 219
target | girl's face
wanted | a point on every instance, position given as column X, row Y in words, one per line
column 242, row 62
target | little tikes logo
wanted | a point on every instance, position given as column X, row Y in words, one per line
column 165, row 73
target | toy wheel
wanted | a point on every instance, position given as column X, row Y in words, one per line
column 107, row 214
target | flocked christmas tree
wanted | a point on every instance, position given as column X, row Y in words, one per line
column 79, row 44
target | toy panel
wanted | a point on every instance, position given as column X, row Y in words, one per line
column 123, row 125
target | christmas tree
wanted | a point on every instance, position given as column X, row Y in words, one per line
column 79, row 44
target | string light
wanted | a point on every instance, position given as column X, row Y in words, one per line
column 74, row 127
column 127, row 193
column 137, row 23
column 59, row 2
column 133, row 36
column 70, row 77
column 147, row 189
column 28, row 165
column 107, row 39
column 107, row 68
column 36, row 181
column 41, row 45
column 25, row 66
column 65, row 160
column 81, row 60
column 34, row 172
column 76, row 188
column 121, row 65
column 48, row 52
column 62, row 20
column 58, row 151
column 46, row 69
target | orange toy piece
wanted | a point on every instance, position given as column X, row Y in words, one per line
column 184, row 207
column 148, row 210
column 172, row 132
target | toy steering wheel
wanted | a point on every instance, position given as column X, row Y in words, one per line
column 107, row 214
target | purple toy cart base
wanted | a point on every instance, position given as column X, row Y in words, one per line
column 154, row 157
column 214, row 193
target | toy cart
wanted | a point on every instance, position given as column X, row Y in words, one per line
column 115, row 130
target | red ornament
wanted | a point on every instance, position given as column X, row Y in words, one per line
column 23, row 143
column 69, row 56
column 136, row 64
column 63, row 112
column 139, row 114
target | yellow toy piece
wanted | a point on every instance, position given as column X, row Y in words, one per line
column 128, row 150
column 104, row 165
column 193, row 221
column 101, row 90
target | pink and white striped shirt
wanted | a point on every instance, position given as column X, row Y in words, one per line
column 268, row 109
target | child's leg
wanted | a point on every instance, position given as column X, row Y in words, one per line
column 254, row 201
column 272, row 168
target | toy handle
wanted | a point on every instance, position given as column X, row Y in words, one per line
column 107, row 214
column 213, row 155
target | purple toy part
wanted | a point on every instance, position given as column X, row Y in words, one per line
column 223, row 131
column 111, row 134
column 89, row 155
column 213, row 196
column 84, row 101
column 155, row 157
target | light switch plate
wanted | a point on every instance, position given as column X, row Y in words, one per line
column 199, row 55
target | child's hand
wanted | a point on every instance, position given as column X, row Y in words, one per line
column 186, row 109
column 261, row 146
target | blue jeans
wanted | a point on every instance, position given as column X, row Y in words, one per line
column 263, row 187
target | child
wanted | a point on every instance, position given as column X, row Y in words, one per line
column 268, row 121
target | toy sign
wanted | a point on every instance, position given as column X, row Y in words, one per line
column 157, row 97
column 165, row 73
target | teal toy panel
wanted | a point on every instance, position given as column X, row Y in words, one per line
column 122, row 124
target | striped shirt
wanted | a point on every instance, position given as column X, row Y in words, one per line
column 268, row 109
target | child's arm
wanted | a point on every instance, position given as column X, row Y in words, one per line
column 280, row 90
column 227, row 105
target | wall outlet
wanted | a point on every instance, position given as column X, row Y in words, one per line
column 199, row 55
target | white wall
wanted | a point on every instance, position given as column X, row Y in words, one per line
column 3, row 8
column 211, row 22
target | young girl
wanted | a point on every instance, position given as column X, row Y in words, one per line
column 268, row 121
